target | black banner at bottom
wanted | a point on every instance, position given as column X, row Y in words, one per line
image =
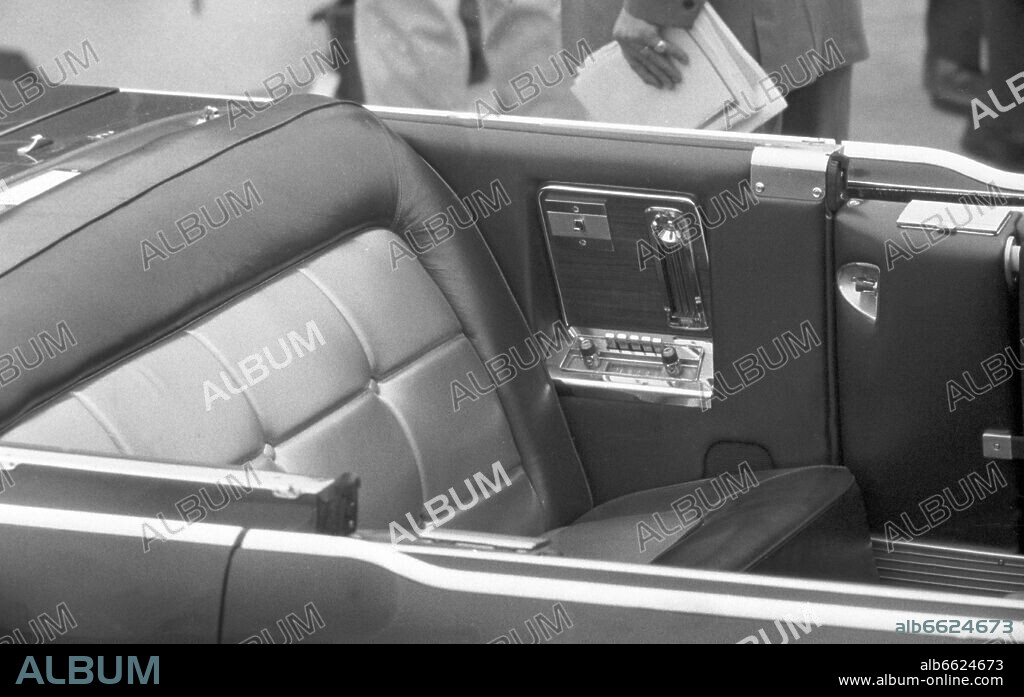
column 833, row 666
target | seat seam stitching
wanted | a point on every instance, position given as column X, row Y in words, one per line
column 336, row 303
column 322, row 415
column 222, row 359
column 417, row 456
column 105, row 424
column 401, row 368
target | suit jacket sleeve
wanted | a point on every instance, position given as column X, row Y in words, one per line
column 666, row 13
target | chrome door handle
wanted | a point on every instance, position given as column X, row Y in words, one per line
column 859, row 286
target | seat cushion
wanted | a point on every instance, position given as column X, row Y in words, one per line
column 331, row 317
column 807, row 522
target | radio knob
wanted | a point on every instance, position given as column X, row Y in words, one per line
column 670, row 357
column 588, row 349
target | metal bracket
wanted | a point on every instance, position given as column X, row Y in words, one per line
column 973, row 219
column 795, row 174
column 1002, row 445
column 338, row 507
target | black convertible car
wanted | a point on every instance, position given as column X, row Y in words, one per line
column 302, row 371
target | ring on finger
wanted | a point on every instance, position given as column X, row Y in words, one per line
column 660, row 47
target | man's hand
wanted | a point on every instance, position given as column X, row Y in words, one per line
column 648, row 53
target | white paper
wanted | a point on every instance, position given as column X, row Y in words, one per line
column 723, row 87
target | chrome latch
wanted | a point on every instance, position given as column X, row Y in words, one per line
column 209, row 113
column 1002, row 445
column 865, row 284
column 859, row 286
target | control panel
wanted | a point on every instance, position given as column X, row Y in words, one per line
column 636, row 261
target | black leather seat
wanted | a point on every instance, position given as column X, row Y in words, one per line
column 301, row 329
column 808, row 522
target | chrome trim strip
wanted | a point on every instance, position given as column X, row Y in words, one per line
column 196, row 95
column 273, row 482
column 925, row 547
column 399, row 562
column 942, row 215
column 596, row 128
column 321, row 545
column 512, row 543
column 585, row 190
column 115, row 525
column 934, row 157
column 698, row 396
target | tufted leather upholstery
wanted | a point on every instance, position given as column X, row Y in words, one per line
column 375, row 397
column 338, row 380
column 294, row 326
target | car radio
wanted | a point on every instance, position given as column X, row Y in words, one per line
column 636, row 261
column 650, row 368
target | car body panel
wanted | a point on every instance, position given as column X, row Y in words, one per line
column 97, row 566
column 262, row 573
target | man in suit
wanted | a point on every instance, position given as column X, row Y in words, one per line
column 418, row 55
column 780, row 34
column 995, row 130
column 952, row 73
column 13, row 64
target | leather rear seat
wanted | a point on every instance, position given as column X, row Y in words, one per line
column 293, row 327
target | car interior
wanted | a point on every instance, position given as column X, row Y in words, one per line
column 530, row 337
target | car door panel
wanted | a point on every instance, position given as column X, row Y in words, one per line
column 99, row 581
column 911, row 420
column 767, row 269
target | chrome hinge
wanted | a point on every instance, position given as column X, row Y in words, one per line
column 1002, row 445
column 792, row 173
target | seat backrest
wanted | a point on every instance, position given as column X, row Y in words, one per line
column 268, row 296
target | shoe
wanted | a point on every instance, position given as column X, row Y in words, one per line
column 952, row 86
column 995, row 148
